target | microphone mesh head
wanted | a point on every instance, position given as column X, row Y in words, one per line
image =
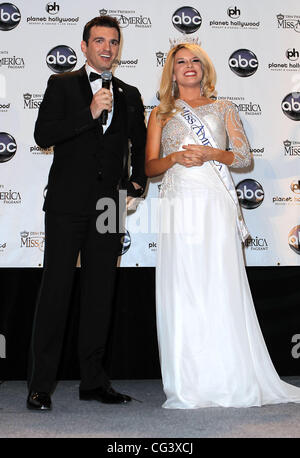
column 106, row 75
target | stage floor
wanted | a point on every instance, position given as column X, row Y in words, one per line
column 142, row 418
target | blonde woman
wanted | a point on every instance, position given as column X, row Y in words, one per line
column 212, row 350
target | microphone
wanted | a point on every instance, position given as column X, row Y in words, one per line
column 106, row 79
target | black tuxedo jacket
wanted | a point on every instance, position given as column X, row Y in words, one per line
column 88, row 164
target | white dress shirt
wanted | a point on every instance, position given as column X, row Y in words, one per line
column 95, row 86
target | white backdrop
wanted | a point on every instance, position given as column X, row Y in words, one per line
column 255, row 47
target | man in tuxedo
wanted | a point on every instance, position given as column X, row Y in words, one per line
column 90, row 162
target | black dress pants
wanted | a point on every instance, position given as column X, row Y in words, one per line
column 66, row 236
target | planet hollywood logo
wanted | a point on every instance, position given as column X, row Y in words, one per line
column 10, row 16
column 148, row 109
column 128, row 18
column 243, row 62
column 4, row 107
column 290, row 106
column 10, row 196
column 152, row 246
column 125, row 243
column 11, row 62
column 291, row 148
column 52, row 9
column 294, row 239
column 257, row 243
column 32, row 101
column 126, row 63
column 292, row 54
column 257, row 152
column 32, row 240
column 186, row 19
column 41, row 151
column 250, row 194
column 8, row 147
column 233, row 12
column 61, row 59
column 288, row 22
column 292, row 199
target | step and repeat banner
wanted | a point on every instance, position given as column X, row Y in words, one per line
column 255, row 47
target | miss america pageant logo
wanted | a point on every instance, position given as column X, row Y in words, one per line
column 288, row 22
column 32, row 240
column 128, row 18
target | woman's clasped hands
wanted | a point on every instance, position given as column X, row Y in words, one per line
column 194, row 155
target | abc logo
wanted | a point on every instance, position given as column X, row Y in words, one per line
column 125, row 243
column 186, row 19
column 9, row 16
column 233, row 12
column 291, row 106
column 294, row 239
column 250, row 194
column 8, row 146
column 61, row 59
column 295, row 186
column 243, row 62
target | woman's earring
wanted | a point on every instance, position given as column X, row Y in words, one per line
column 201, row 88
column 174, row 88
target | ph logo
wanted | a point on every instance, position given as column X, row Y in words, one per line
column 233, row 12
column 294, row 239
column 52, row 8
column 10, row 16
column 61, row 59
column 250, row 194
column 295, row 186
column 292, row 54
column 186, row 19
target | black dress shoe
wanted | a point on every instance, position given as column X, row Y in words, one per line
column 105, row 395
column 39, row 401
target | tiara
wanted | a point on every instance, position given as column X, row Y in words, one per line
column 184, row 39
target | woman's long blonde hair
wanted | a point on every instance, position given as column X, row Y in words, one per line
column 167, row 95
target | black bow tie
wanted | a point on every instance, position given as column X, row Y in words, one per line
column 94, row 76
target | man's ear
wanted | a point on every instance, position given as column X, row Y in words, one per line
column 83, row 47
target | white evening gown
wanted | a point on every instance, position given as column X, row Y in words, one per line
column 212, row 351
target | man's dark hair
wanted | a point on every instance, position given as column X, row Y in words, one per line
column 100, row 21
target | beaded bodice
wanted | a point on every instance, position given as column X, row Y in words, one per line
column 224, row 123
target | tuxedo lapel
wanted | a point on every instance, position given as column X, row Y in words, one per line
column 84, row 85
column 119, row 104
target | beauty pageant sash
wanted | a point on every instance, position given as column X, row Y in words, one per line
column 201, row 134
